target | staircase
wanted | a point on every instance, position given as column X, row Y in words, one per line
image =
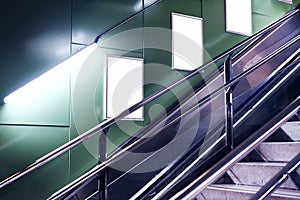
column 246, row 177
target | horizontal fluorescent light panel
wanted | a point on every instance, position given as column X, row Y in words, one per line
column 239, row 17
column 187, row 42
column 124, row 78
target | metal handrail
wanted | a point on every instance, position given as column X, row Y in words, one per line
column 106, row 124
column 217, row 170
column 278, row 179
column 120, row 154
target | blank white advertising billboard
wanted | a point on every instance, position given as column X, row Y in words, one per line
column 187, row 42
column 124, row 80
column 239, row 17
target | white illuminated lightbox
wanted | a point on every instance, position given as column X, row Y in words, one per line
column 187, row 42
column 124, row 86
column 239, row 17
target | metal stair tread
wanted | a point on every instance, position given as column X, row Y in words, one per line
column 292, row 122
column 281, row 143
column 263, row 164
column 292, row 129
column 258, row 173
column 278, row 151
column 253, row 189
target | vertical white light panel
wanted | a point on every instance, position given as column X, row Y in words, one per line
column 187, row 42
column 124, row 78
column 239, row 17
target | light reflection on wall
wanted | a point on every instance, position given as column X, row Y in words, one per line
column 28, row 92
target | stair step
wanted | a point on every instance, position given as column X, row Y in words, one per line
column 258, row 173
column 238, row 192
column 292, row 129
column 278, row 151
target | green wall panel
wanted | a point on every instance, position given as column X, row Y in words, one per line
column 296, row 2
column 127, row 37
column 266, row 12
column 21, row 146
column 82, row 157
column 92, row 17
column 160, row 14
column 39, row 184
column 270, row 7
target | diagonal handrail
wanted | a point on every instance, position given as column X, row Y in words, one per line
column 123, row 152
column 106, row 124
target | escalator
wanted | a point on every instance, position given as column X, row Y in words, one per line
column 191, row 135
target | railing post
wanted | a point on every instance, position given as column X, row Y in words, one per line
column 102, row 182
column 228, row 103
